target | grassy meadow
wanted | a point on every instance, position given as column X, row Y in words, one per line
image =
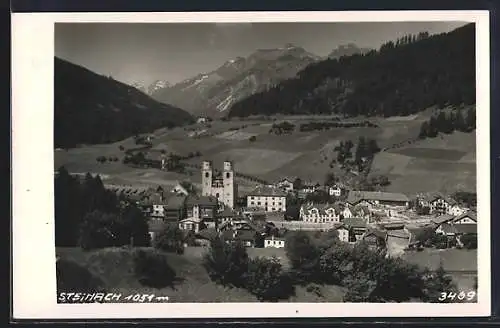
column 448, row 159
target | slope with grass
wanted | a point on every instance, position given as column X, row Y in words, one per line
column 91, row 109
column 114, row 268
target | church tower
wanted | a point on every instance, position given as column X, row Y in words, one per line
column 229, row 186
column 206, row 178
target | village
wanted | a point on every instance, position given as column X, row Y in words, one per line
column 261, row 218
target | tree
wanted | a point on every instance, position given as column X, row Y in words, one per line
column 469, row 240
column 252, row 138
column 330, row 179
column 152, row 269
column 361, row 151
column 226, row 263
column 99, row 230
column 303, row 256
column 436, row 283
column 424, row 130
column 297, row 184
column 135, row 227
column 373, row 147
column 266, row 279
column 170, row 239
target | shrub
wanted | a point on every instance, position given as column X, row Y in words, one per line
column 226, row 263
column 170, row 239
column 266, row 280
column 252, row 138
column 152, row 269
column 315, row 289
column 469, row 241
column 73, row 277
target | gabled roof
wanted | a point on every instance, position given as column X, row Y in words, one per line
column 442, row 219
column 376, row 232
column 191, row 219
column 322, row 208
column 470, row 214
column 267, row 191
column 438, row 195
column 355, row 196
column 207, row 234
column 201, row 200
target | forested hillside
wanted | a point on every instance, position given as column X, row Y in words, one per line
column 401, row 78
column 92, row 109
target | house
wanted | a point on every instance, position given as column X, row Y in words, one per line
column 469, row 217
column 356, row 227
column 246, row 237
column 173, row 207
column 456, row 226
column 275, row 242
column 346, row 212
column 377, row 198
column 319, row 213
column 269, row 199
column 201, row 120
column 285, row 184
column 201, row 212
column 343, row 233
column 309, row 188
column 441, row 204
column 375, row 238
column 334, row 191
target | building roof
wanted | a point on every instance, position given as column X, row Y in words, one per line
column 274, row 238
column 376, row 232
column 438, row 195
column 322, row 208
column 191, row 219
column 267, row 191
column 398, row 234
column 442, row 219
column 448, row 228
column 227, row 212
column 288, row 179
column 201, row 200
column 469, row 214
column 355, row 196
column 208, row 234
column 354, row 222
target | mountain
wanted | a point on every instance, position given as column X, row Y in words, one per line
column 91, row 108
column 151, row 88
column 401, row 78
column 347, row 50
column 214, row 92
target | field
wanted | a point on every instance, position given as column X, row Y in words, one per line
column 449, row 160
column 461, row 264
column 114, row 267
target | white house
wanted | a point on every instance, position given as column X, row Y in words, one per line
column 346, row 212
column 319, row 213
column 285, row 184
column 267, row 198
column 334, row 191
column 343, row 233
column 440, row 204
column 274, row 242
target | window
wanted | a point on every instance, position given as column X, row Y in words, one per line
column 228, row 175
column 207, row 174
column 252, row 203
column 258, row 203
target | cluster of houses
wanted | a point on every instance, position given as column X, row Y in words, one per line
column 363, row 215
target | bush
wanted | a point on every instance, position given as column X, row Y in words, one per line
column 72, row 277
column 170, row 239
column 469, row 241
column 252, row 138
column 152, row 269
column 266, row 280
column 315, row 289
column 226, row 263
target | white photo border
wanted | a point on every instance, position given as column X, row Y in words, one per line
column 34, row 277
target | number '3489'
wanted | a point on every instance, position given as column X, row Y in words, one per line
column 461, row 296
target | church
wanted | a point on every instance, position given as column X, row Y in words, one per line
column 220, row 185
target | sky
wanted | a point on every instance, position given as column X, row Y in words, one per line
column 145, row 52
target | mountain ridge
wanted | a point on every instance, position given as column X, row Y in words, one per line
column 402, row 77
column 90, row 108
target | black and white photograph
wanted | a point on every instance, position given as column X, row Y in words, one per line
column 267, row 162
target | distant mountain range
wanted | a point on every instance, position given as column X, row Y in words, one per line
column 91, row 109
column 149, row 89
column 213, row 93
column 347, row 50
column 403, row 77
